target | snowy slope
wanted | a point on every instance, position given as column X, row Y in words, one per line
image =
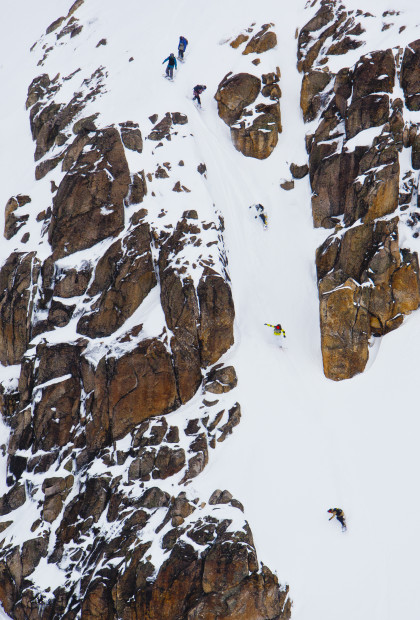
column 305, row 443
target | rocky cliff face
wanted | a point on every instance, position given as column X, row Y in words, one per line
column 115, row 336
column 362, row 181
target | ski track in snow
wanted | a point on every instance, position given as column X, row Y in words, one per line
column 304, row 444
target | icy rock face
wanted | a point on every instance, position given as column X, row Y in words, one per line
column 115, row 335
column 254, row 130
column 366, row 282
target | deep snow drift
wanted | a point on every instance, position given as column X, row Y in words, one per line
column 305, row 443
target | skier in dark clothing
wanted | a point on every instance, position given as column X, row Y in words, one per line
column 339, row 515
column 182, row 46
column 197, row 92
column 171, row 60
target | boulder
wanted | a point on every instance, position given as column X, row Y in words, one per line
column 131, row 136
column 221, row 380
column 89, row 203
column 298, row 172
column 13, row 222
column 257, row 140
column 287, row 185
column 241, row 38
column 163, row 128
column 261, row 42
column 234, row 94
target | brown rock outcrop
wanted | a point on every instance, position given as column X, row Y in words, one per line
column 298, row 172
column 374, row 73
column 131, row 136
column 88, row 206
column 163, row 128
column 369, row 111
column 368, row 254
column 127, row 390
column 123, row 278
column 259, row 139
column 261, row 42
column 216, row 317
column 234, row 94
column 361, row 270
column 241, row 38
column 345, row 330
column 37, row 89
column 12, row 222
column 410, row 80
column 227, row 576
column 313, row 83
column 18, row 286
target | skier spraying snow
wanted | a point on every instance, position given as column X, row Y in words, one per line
column 182, row 46
column 171, row 60
column 197, row 92
column 339, row 515
column 278, row 330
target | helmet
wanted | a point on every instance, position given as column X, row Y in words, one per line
column 171, row 55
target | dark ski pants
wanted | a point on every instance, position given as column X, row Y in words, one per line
column 197, row 98
column 170, row 71
column 180, row 53
column 343, row 522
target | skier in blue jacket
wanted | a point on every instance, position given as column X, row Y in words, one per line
column 171, row 60
column 182, row 46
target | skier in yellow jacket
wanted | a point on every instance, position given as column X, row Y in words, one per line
column 278, row 330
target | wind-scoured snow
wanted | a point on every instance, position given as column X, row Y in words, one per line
column 305, row 443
